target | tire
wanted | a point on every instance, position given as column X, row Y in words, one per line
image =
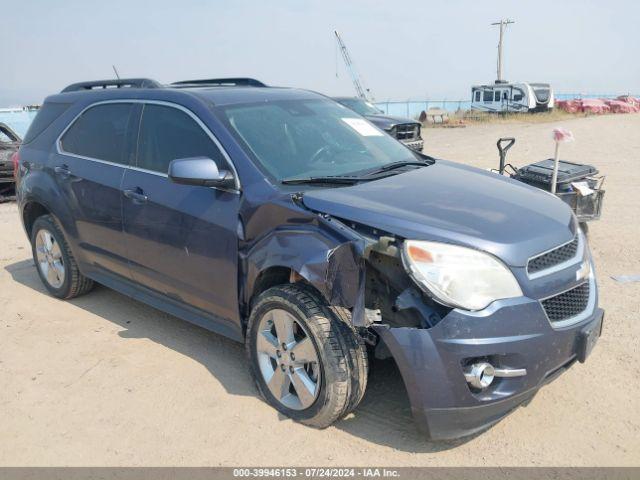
column 55, row 263
column 338, row 371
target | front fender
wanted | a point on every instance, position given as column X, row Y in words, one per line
column 328, row 263
column 328, row 257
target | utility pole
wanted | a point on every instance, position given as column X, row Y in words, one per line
column 357, row 80
column 503, row 24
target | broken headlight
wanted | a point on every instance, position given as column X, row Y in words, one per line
column 458, row 276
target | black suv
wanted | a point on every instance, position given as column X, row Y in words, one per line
column 282, row 219
column 406, row 130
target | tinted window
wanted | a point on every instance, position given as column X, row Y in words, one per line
column 100, row 132
column 517, row 94
column 360, row 106
column 487, row 96
column 477, row 95
column 45, row 117
column 166, row 134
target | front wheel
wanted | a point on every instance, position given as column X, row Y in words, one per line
column 306, row 359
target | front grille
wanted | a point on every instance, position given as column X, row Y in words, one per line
column 567, row 304
column 407, row 131
column 553, row 258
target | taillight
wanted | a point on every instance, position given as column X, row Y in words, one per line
column 15, row 158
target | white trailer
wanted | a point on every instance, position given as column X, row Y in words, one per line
column 512, row 97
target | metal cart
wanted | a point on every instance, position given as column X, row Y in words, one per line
column 578, row 185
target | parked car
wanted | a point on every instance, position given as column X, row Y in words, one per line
column 406, row 130
column 281, row 219
column 9, row 144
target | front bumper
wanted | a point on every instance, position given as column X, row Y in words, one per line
column 510, row 334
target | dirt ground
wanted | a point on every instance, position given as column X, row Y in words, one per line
column 105, row 380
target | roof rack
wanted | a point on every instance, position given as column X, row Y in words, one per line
column 116, row 83
column 220, row 82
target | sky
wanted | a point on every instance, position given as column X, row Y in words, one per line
column 403, row 49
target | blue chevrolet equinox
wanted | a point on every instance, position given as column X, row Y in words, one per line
column 280, row 218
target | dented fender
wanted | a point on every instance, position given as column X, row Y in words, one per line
column 327, row 254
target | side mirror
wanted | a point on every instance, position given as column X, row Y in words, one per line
column 200, row 171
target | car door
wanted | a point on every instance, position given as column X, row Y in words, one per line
column 181, row 239
column 92, row 156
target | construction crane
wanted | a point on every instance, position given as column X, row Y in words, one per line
column 357, row 80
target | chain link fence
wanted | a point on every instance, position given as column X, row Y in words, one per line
column 412, row 108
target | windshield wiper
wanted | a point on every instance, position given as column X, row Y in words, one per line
column 394, row 165
column 350, row 180
column 325, row 180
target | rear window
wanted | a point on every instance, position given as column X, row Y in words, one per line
column 100, row 133
column 45, row 117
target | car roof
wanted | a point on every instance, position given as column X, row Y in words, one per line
column 232, row 95
column 144, row 89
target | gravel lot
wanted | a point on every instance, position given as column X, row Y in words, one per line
column 105, row 380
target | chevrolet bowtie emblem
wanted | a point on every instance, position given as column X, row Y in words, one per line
column 584, row 271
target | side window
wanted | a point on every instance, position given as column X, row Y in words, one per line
column 496, row 96
column 517, row 94
column 477, row 95
column 100, row 133
column 487, row 96
column 167, row 134
column 505, row 95
column 46, row 115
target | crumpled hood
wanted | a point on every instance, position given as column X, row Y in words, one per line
column 455, row 203
column 387, row 121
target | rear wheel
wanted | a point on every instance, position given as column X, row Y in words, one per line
column 54, row 261
column 307, row 361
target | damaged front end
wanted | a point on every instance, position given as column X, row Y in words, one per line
column 463, row 369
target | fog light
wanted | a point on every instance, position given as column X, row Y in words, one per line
column 479, row 375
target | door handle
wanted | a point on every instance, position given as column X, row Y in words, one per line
column 62, row 170
column 136, row 195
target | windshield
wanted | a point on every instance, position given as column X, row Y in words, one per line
column 360, row 106
column 311, row 138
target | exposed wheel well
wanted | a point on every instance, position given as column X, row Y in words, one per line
column 272, row 277
column 268, row 278
column 31, row 212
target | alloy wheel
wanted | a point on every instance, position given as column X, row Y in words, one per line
column 288, row 360
column 49, row 257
